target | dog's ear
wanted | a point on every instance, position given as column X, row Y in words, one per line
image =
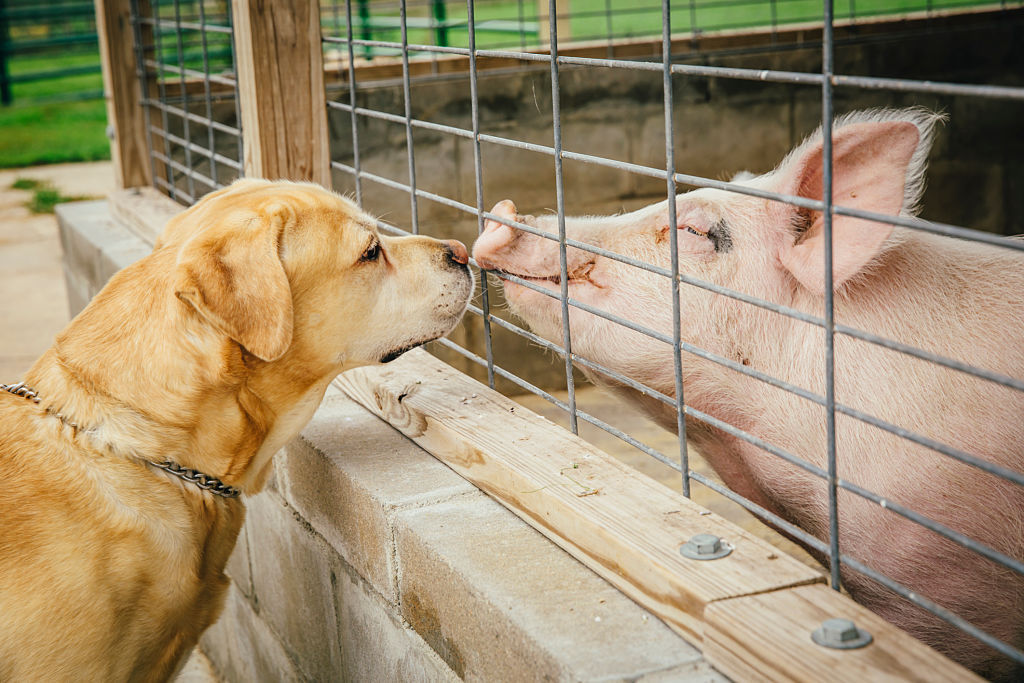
column 234, row 278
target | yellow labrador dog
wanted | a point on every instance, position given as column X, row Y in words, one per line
column 123, row 453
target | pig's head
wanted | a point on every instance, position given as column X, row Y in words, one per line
column 761, row 247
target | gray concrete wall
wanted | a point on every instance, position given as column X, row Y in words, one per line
column 366, row 559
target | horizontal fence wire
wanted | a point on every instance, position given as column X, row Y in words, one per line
column 185, row 66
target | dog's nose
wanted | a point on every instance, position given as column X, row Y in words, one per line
column 457, row 251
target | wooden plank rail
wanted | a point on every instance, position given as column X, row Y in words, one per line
column 753, row 610
column 618, row 522
column 767, row 638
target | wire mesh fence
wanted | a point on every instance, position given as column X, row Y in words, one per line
column 438, row 111
column 185, row 63
column 431, row 149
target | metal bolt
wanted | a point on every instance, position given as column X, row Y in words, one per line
column 840, row 634
column 705, row 547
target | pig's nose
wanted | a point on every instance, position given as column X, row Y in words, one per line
column 457, row 251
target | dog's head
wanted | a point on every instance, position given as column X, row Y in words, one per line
column 292, row 270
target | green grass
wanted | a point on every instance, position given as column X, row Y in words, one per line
column 53, row 133
column 46, row 124
column 44, row 196
column 634, row 18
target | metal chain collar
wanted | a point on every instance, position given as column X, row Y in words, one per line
column 203, row 481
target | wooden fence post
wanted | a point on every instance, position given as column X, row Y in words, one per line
column 122, row 92
column 279, row 60
column 561, row 21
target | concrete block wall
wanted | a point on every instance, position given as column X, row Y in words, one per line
column 365, row 559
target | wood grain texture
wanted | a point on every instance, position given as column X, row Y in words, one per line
column 768, row 638
column 122, row 92
column 281, row 90
column 618, row 522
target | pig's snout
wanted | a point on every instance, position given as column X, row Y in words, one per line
column 497, row 237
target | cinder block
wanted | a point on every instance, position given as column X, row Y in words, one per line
column 375, row 644
column 121, row 255
column 242, row 648
column 292, row 574
column 348, row 472
column 77, row 291
column 238, row 567
column 95, row 245
column 497, row 601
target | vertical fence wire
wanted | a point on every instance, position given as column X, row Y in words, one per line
column 352, row 102
column 413, row 208
column 161, row 80
column 179, row 40
column 236, row 99
column 478, row 179
column 211, row 137
column 560, row 199
column 830, row 389
column 673, row 238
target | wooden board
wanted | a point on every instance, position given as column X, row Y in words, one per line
column 281, row 90
column 726, row 41
column 768, row 638
column 122, row 92
column 621, row 524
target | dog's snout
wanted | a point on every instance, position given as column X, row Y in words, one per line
column 457, row 251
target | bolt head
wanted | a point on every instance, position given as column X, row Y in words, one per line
column 705, row 547
column 706, row 544
column 839, row 630
column 841, row 634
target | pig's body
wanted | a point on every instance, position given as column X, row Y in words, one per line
column 954, row 298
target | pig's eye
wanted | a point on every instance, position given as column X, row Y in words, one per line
column 695, row 231
column 372, row 252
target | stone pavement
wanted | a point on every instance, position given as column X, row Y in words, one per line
column 33, row 302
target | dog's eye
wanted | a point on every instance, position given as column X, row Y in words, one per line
column 372, row 252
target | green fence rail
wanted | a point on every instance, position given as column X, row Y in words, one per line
column 52, row 51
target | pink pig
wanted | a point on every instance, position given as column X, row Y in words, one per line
column 955, row 298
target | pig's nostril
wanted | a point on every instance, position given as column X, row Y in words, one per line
column 457, row 251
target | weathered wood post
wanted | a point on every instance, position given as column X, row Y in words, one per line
column 561, row 21
column 279, row 59
column 123, row 93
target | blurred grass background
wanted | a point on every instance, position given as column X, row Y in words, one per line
column 51, row 59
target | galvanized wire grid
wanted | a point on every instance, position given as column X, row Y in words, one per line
column 826, row 81
column 185, row 65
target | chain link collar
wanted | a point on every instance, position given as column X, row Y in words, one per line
column 203, row 481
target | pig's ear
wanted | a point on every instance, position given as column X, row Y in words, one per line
column 878, row 165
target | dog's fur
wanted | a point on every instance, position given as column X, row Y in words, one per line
column 212, row 352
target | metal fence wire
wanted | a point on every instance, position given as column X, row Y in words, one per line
column 370, row 117
column 185, row 66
